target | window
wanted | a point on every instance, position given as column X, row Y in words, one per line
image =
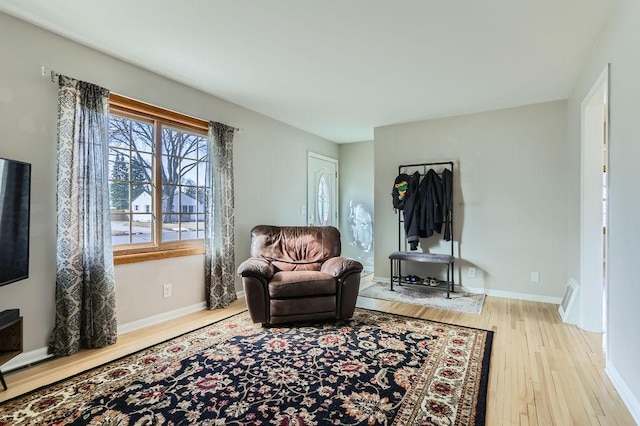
column 323, row 201
column 157, row 165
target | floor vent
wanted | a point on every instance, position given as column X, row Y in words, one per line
column 568, row 308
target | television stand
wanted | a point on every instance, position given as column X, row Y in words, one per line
column 10, row 343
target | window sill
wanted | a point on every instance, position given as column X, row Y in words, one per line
column 123, row 258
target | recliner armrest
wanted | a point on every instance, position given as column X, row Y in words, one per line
column 338, row 266
column 256, row 267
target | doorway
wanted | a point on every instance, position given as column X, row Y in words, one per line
column 322, row 190
column 593, row 207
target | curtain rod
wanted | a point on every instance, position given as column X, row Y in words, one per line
column 47, row 72
column 54, row 79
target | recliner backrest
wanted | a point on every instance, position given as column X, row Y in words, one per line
column 295, row 248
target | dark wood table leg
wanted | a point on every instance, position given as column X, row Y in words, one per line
column 4, row 384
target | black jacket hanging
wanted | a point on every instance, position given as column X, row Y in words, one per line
column 405, row 197
column 430, row 197
column 411, row 214
column 447, row 205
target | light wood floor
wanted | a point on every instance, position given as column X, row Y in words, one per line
column 543, row 372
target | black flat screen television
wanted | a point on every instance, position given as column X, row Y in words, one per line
column 15, row 194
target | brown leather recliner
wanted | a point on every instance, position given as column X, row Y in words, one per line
column 296, row 273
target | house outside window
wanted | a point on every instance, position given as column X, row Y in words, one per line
column 157, row 166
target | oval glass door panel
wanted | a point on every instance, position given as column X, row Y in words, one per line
column 323, row 200
column 322, row 190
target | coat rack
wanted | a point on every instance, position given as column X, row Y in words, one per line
column 397, row 257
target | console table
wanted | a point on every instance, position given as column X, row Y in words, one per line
column 10, row 343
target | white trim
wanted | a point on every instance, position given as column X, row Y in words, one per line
column 513, row 295
column 39, row 355
column 165, row 316
column 321, row 157
column 26, row 358
column 593, row 299
column 604, row 75
column 336, row 188
column 496, row 293
column 623, row 390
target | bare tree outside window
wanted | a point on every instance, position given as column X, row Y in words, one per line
column 134, row 154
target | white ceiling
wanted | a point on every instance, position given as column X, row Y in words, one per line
column 339, row 68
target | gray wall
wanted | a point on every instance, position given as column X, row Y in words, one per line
column 516, row 181
column 618, row 45
column 510, row 195
column 269, row 159
column 356, row 188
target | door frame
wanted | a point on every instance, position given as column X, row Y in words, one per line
column 593, row 239
column 311, row 154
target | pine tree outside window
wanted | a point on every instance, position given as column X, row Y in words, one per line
column 157, row 164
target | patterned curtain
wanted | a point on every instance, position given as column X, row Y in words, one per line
column 85, row 285
column 219, row 258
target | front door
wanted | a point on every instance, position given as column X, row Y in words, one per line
column 322, row 190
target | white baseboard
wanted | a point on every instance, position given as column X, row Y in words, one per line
column 39, row 355
column 625, row 393
column 497, row 293
column 26, row 358
column 165, row 316
column 514, row 295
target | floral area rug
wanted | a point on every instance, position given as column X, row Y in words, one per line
column 424, row 296
column 376, row 369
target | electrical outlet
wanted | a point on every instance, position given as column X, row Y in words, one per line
column 166, row 290
column 471, row 272
column 535, row 277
